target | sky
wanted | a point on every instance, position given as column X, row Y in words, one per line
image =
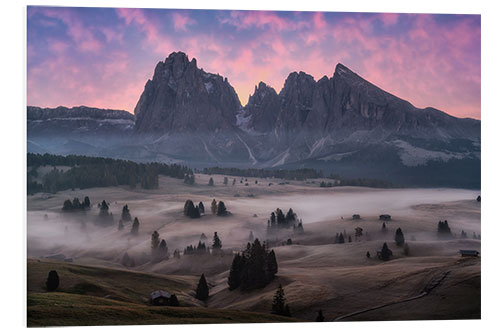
column 103, row 57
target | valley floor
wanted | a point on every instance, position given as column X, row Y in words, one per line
column 431, row 282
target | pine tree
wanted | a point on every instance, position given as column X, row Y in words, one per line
column 214, row 207
column 163, row 250
column 211, row 182
column 126, row 214
column 234, row 278
column 221, row 209
column 86, row 202
column 135, row 227
column 52, row 281
column 201, row 208
column 399, row 237
column 202, row 289
column 385, row 253
column 278, row 306
column 368, row 254
column 320, row 317
column 217, row 244
column 341, row 239
column 155, row 242
column 272, row 265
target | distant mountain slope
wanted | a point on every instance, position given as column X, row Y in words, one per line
column 342, row 124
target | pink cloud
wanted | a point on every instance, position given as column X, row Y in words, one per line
column 181, row 21
column 389, row 18
column 262, row 19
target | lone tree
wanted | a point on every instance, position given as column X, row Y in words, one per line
column 279, row 307
column 399, row 237
column 52, row 281
column 201, row 208
column 163, row 250
column 86, row 202
column 211, row 182
column 320, row 316
column 202, row 289
column 155, row 243
column 368, row 255
column 217, row 244
column 221, row 209
column 214, row 207
column 135, row 227
column 126, row 214
column 385, row 253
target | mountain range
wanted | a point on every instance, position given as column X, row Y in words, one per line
column 341, row 124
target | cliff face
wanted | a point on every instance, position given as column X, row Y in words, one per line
column 341, row 124
column 183, row 98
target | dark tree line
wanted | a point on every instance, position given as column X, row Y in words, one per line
column 444, row 230
column 191, row 210
column 297, row 174
column 253, row 268
column 76, row 205
column 89, row 172
column 278, row 220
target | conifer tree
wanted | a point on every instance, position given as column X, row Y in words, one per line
column 155, row 242
column 217, row 244
column 135, row 227
column 52, row 281
column 368, row 254
column 272, row 265
column 221, row 209
column 86, row 202
column 201, row 208
column 202, row 289
column 341, row 238
column 234, row 278
column 399, row 237
column 278, row 306
column 214, row 207
column 163, row 249
column 385, row 253
column 126, row 214
column 211, row 182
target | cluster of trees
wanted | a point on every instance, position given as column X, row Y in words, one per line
column 278, row 220
column 444, row 230
column 279, row 306
column 254, row 268
column 341, row 238
column 200, row 249
column 218, row 208
column 76, row 205
column 159, row 249
column 366, row 182
column 298, row 229
column 297, row 174
column 193, row 211
column 89, row 172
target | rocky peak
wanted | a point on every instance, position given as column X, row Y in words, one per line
column 263, row 107
column 181, row 97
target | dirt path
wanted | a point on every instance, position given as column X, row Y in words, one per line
column 427, row 289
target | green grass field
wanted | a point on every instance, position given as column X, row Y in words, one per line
column 102, row 296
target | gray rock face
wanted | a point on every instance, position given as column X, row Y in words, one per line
column 181, row 98
column 342, row 124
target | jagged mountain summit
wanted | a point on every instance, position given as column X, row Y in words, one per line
column 341, row 124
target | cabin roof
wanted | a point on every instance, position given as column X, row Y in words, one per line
column 159, row 293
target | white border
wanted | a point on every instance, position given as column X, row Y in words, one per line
column 13, row 131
